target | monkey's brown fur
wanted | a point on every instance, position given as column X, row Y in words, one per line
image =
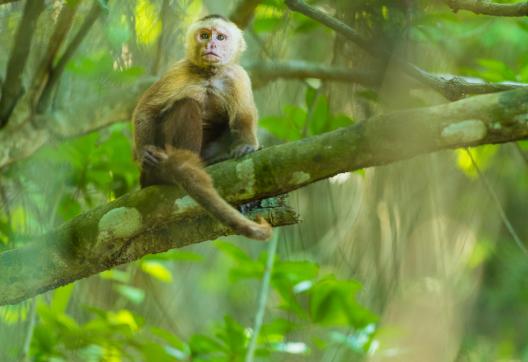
column 199, row 111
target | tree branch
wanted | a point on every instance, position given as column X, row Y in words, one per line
column 263, row 72
column 57, row 71
column 22, row 139
column 12, row 88
column 161, row 217
column 2, row 2
column 486, row 7
column 244, row 12
column 62, row 27
column 453, row 89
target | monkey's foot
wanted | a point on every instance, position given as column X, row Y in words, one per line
column 242, row 150
column 153, row 156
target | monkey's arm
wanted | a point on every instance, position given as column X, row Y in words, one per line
column 243, row 124
column 149, row 112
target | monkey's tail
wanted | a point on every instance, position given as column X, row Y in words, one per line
column 188, row 171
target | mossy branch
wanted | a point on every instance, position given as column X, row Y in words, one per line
column 159, row 218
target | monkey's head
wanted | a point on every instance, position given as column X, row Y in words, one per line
column 214, row 41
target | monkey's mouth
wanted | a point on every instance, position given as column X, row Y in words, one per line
column 210, row 55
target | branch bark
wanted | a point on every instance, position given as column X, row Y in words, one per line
column 453, row 89
column 161, row 217
column 486, row 7
column 12, row 88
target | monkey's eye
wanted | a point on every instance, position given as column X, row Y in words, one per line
column 221, row 37
column 204, row 36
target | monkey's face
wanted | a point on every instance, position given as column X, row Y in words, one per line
column 214, row 42
column 214, row 46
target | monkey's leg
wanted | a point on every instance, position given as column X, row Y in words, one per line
column 180, row 126
column 180, row 163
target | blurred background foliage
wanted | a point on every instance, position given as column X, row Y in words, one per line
column 406, row 262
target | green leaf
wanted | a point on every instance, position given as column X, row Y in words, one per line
column 116, row 275
column 201, row 344
column 320, row 118
column 309, row 96
column 334, row 303
column 61, row 298
column 482, row 155
column 233, row 251
column 157, row 270
column 266, row 24
column 118, row 32
column 93, row 66
column 170, row 338
column 135, row 295
column 148, row 25
column 233, row 336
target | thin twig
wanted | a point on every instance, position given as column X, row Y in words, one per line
column 489, row 8
column 264, row 292
column 453, row 88
column 57, row 71
column 12, row 88
column 495, row 198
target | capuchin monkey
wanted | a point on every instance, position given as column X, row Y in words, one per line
column 200, row 111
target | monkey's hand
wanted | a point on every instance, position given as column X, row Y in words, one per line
column 153, row 156
column 242, row 150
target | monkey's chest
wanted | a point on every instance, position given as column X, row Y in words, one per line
column 215, row 113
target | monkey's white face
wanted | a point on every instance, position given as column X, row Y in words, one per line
column 214, row 45
column 214, row 42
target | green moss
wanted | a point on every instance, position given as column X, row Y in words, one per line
column 245, row 171
column 299, row 177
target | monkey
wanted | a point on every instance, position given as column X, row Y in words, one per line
column 200, row 112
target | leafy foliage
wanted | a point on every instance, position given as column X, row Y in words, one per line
column 148, row 310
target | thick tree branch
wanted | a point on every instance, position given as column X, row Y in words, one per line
column 161, row 217
column 12, row 88
column 57, row 71
column 244, row 12
column 453, row 89
column 486, row 7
